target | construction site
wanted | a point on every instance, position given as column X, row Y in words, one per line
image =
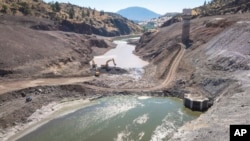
column 203, row 61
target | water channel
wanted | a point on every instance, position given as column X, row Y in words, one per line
column 118, row 118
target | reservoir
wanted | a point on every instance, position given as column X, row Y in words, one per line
column 118, row 118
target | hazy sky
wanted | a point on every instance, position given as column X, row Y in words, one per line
column 158, row 6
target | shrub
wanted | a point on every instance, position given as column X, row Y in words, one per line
column 4, row 8
column 24, row 8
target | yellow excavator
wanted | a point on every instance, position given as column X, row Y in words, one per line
column 106, row 66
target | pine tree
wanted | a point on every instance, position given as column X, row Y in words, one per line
column 83, row 14
column 88, row 13
column 71, row 13
column 101, row 12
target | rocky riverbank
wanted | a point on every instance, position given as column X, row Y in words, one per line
column 19, row 117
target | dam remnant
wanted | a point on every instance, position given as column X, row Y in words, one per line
column 196, row 102
column 186, row 16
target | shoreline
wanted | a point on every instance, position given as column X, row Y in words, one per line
column 42, row 116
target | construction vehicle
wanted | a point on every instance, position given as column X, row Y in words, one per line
column 106, row 66
column 94, row 67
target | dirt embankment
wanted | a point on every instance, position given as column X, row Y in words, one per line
column 32, row 53
column 216, row 65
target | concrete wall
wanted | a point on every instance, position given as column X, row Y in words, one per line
column 186, row 29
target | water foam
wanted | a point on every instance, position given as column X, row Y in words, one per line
column 141, row 119
column 141, row 135
column 144, row 97
column 123, row 136
column 164, row 130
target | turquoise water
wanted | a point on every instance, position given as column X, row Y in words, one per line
column 119, row 118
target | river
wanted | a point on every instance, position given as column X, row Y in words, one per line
column 118, row 118
column 123, row 55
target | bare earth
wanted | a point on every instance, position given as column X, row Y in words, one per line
column 216, row 65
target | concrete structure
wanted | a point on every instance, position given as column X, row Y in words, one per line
column 195, row 102
column 187, row 15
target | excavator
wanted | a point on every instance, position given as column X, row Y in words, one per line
column 106, row 66
column 94, row 66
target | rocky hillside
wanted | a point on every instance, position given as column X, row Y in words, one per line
column 34, row 53
column 222, row 7
column 216, row 65
column 215, row 7
column 71, row 18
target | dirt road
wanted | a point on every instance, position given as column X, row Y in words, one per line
column 13, row 85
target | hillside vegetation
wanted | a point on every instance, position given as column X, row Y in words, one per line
column 68, row 17
column 222, row 7
column 213, row 8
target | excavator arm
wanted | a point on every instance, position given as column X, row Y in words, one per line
column 107, row 62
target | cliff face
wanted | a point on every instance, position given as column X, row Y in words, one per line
column 121, row 24
column 70, row 18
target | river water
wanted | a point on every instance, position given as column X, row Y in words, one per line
column 123, row 55
column 118, row 118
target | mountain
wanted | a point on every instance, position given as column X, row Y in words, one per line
column 70, row 18
column 138, row 13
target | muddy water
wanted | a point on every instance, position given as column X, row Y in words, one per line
column 120, row 118
column 123, row 55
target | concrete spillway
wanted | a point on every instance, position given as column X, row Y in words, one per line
column 196, row 102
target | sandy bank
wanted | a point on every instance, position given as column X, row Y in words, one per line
column 43, row 116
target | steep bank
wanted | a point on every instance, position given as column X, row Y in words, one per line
column 214, row 65
column 70, row 18
column 32, row 53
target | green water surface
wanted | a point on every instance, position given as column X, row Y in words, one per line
column 119, row 118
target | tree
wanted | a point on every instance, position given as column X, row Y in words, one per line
column 205, row 3
column 14, row 8
column 4, row 8
column 55, row 6
column 83, row 14
column 88, row 13
column 101, row 12
column 93, row 12
column 91, row 22
column 25, row 8
column 71, row 12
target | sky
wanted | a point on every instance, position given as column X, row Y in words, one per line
column 158, row 6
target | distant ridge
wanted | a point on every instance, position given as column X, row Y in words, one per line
column 138, row 13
